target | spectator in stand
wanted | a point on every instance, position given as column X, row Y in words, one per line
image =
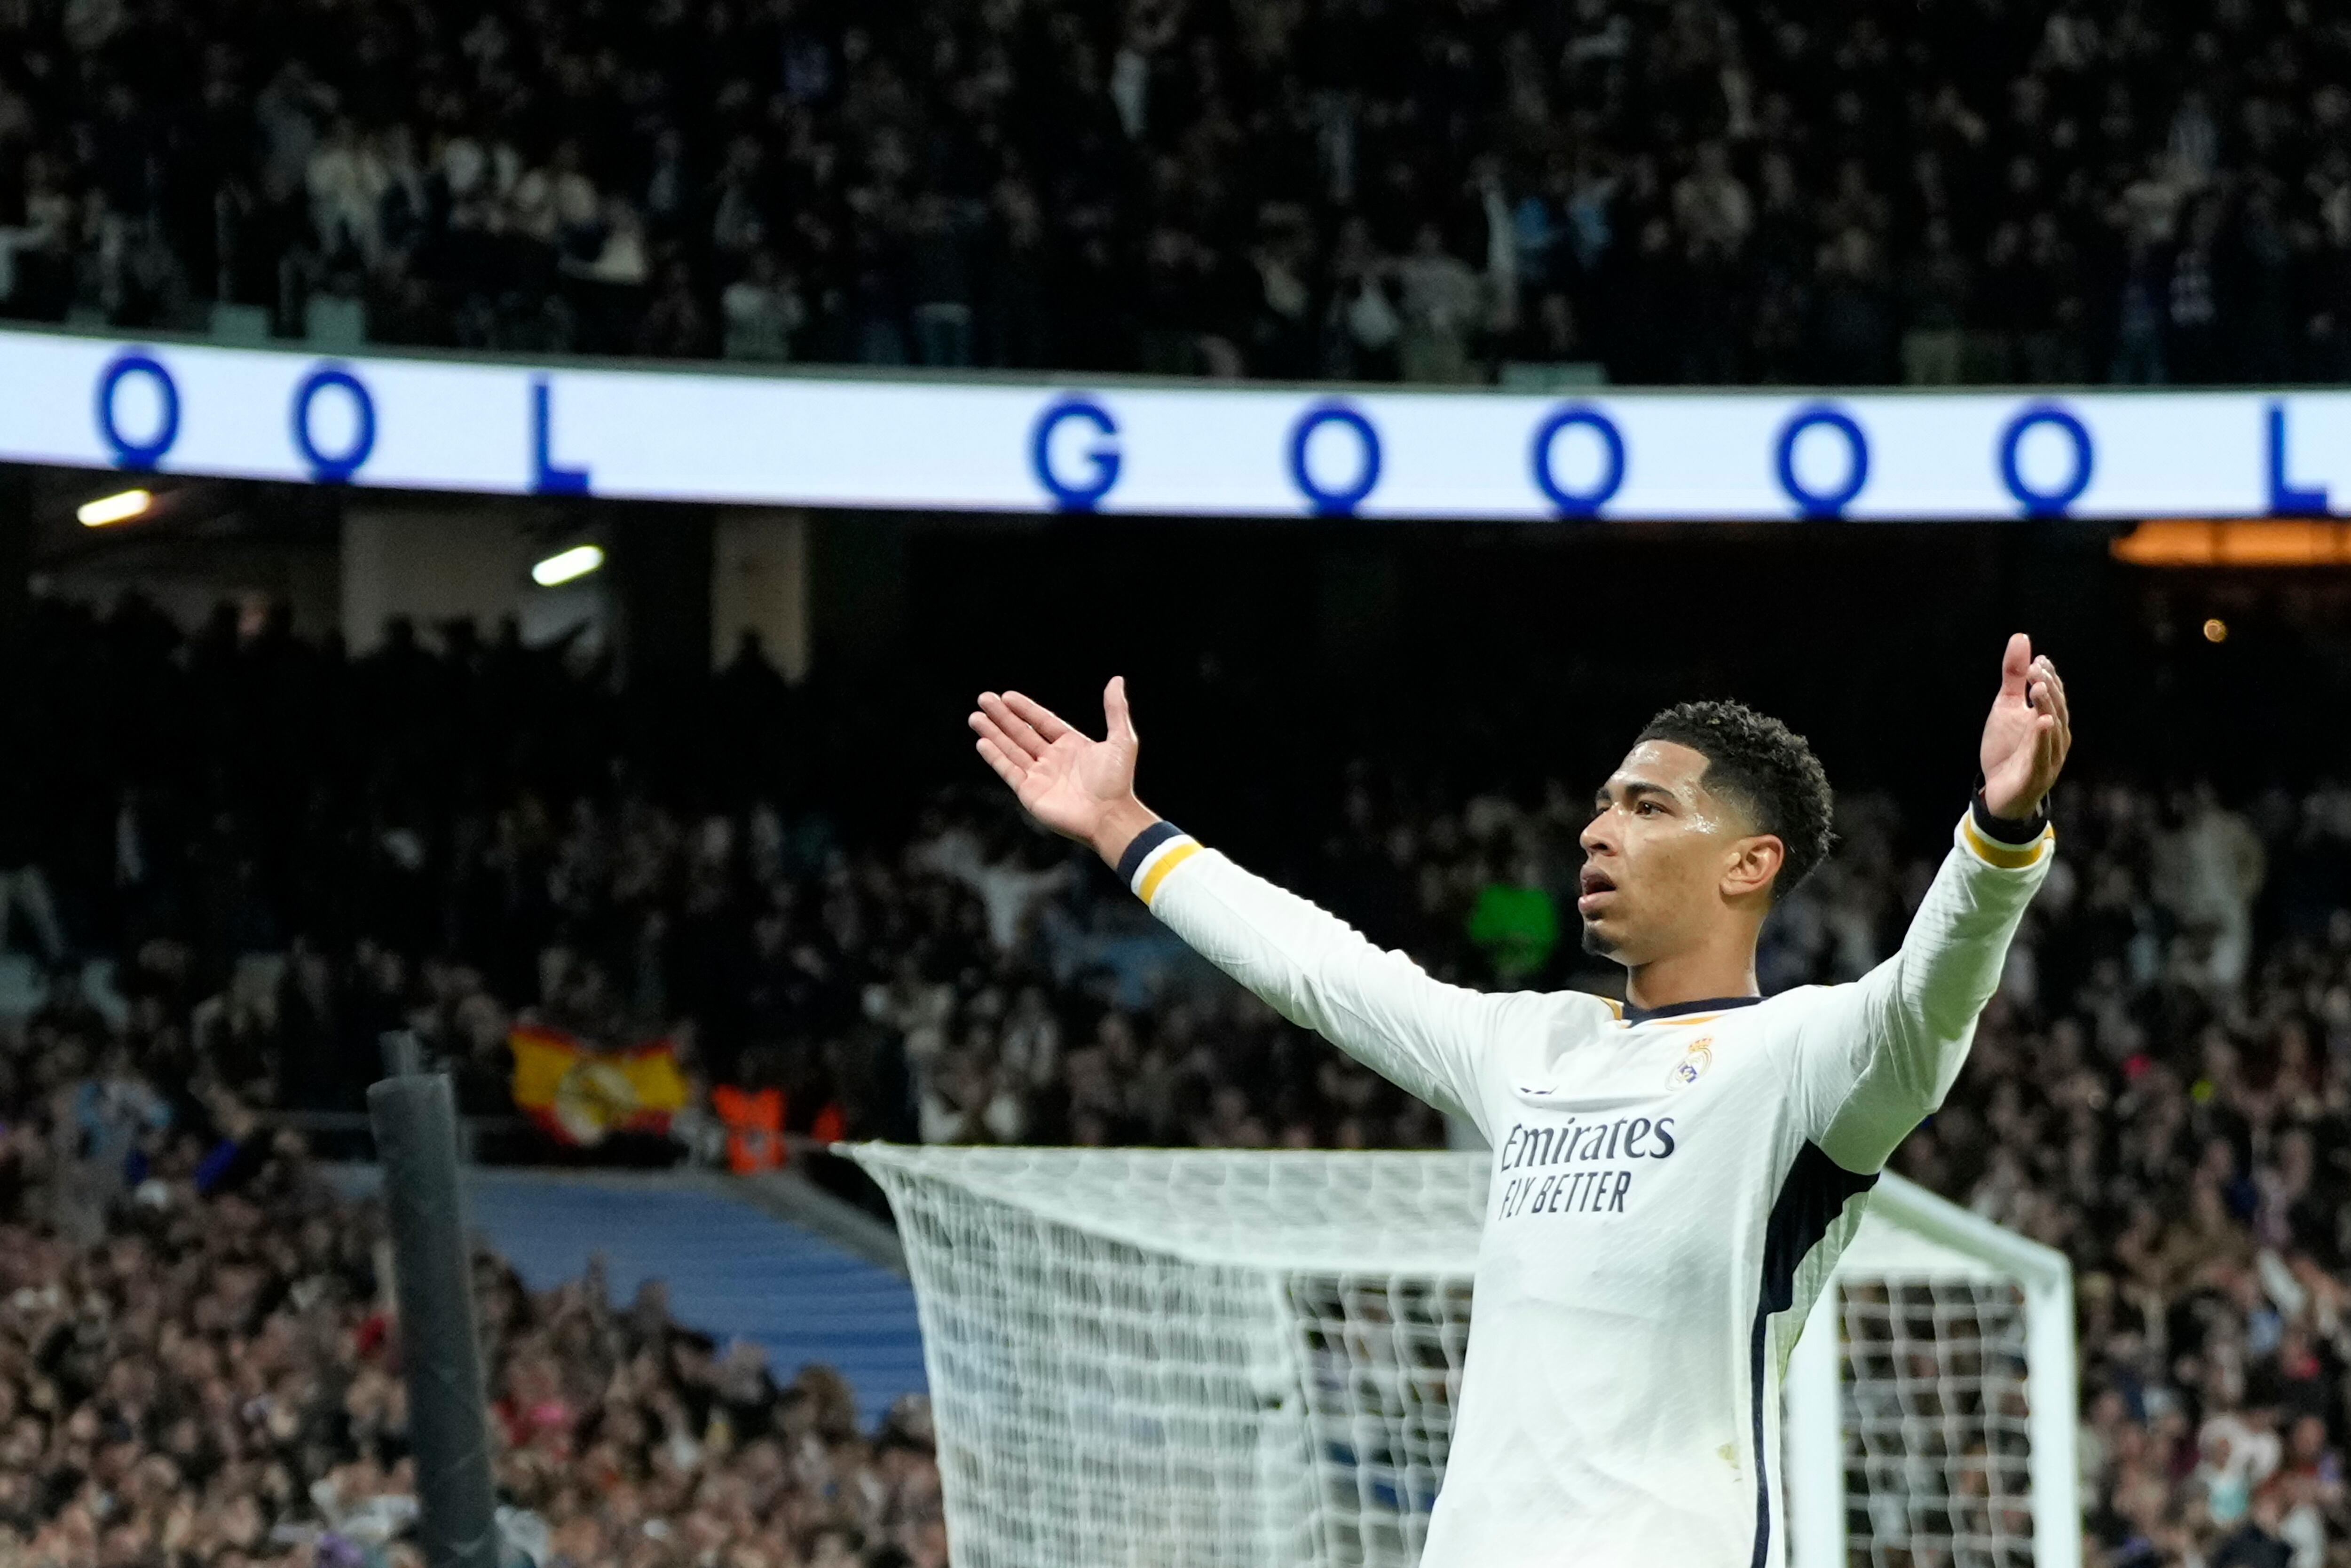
column 1440, row 311
column 762, row 311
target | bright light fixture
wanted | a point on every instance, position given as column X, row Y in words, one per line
column 119, row 508
column 2236, row 542
column 564, row 566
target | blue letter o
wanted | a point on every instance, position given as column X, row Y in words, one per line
column 2045, row 503
column 1612, row 478
column 1105, row 459
column 1334, row 503
column 335, row 468
column 146, row 453
column 1823, row 503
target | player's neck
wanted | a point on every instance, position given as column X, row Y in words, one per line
column 1698, row 974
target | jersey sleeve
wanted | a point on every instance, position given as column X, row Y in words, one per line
column 1319, row 972
column 1873, row 1058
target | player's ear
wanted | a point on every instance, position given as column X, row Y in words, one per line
column 1755, row 863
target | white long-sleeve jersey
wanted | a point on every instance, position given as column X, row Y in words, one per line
column 1669, row 1191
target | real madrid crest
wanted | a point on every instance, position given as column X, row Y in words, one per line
column 1694, row 1062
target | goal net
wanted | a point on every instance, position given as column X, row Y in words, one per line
column 1143, row 1357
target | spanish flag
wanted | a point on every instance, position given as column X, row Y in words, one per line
column 581, row 1094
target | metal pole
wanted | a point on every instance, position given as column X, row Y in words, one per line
column 416, row 1138
column 404, row 1053
column 2052, row 1387
column 1811, row 1449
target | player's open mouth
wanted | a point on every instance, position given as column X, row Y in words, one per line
column 1592, row 887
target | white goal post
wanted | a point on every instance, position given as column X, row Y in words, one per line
column 1249, row 1359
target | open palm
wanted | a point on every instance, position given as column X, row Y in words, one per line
column 1075, row 785
column 2028, row 735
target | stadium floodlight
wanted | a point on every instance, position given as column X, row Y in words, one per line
column 567, row 565
column 2235, row 542
column 119, row 508
column 1250, row 1359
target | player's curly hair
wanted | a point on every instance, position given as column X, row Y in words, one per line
column 1768, row 769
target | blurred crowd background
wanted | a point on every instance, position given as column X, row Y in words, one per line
column 233, row 858
column 204, row 1371
column 241, row 856
column 1688, row 190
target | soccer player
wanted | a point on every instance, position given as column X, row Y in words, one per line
column 1673, row 1177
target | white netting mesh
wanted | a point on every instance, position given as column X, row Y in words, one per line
column 1937, row 1439
column 1147, row 1357
column 1144, row 1357
column 1384, row 1358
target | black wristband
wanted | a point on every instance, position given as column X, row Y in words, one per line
column 2001, row 829
column 1131, row 860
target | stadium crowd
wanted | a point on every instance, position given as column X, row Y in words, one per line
column 1701, row 191
column 446, row 841
column 199, row 1368
column 285, row 851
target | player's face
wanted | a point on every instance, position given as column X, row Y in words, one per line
column 1655, row 855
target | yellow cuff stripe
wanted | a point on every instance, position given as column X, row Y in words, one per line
column 2008, row 857
column 1175, row 855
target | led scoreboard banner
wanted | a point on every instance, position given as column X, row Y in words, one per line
column 917, row 441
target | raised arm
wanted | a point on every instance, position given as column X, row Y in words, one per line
column 1874, row 1058
column 1307, row 965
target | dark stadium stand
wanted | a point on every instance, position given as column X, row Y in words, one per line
column 1962, row 191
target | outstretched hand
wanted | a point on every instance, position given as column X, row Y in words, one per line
column 1081, row 788
column 2027, row 737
